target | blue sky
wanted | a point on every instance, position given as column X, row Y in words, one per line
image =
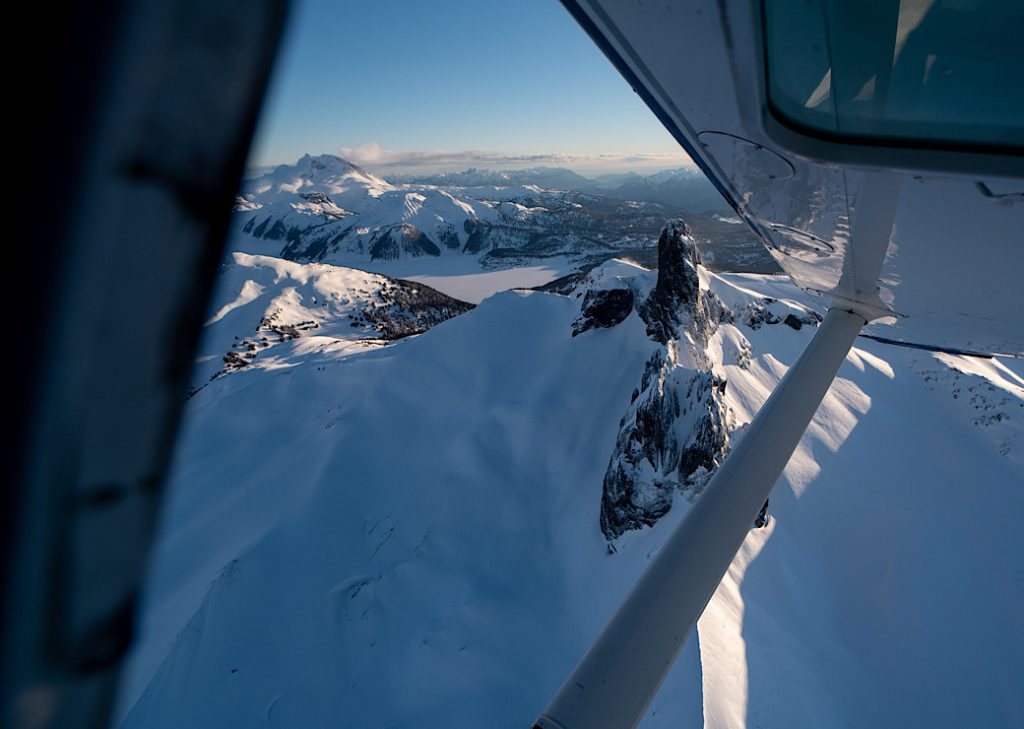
column 398, row 85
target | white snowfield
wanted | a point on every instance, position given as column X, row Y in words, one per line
column 408, row 535
column 463, row 278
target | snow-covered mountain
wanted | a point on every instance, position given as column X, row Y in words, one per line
column 323, row 205
column 269, row 313
column 326, row 209
column 683, row 188
column 429, row 532
column 327, row 174
column 612, row 180
column 550, row 178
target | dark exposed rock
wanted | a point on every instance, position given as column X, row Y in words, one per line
column 283, row 332
column 276, row 232
column 767, row 311
column 792, row 321
column 674, row 433
column 808, row 317
column 761, row 520
column 758, row 313
column 447, row 236
column 672, row 437
column 391, row 243
column 602, row 309
column 677, row 300
column 316, row 197
column 261, row 228
column 564, row 285
column 235, row 360
column 674, row 299
column 411, row 308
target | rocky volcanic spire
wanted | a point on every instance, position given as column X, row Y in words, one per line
column 674, row 434
column 676, row 297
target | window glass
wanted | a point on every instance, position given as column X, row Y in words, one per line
column 922, row 71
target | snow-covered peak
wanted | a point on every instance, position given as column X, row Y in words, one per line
column 326, row 173
column 616, row 273
column 673, row 297
column 323, row 167
column 678, row 172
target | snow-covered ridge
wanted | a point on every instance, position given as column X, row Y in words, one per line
column 682, row 188
column 270, row 313
column 323, row 209
column 326, row 209
column 411, row 535
column 324, row 173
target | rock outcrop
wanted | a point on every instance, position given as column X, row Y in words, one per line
column 771, row 311
column 674, row 434
column 602, row 309
column 674, row 301
column 400, row 241
column 677, row 302
column 672, row 438
column 404, row 308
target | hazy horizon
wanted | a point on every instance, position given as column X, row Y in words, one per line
column 439, row 162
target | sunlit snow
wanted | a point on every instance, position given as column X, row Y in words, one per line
column 407, row 535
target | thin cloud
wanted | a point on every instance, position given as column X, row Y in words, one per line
column 375, row 157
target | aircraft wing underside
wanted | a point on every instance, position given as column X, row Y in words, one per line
column 949, row 274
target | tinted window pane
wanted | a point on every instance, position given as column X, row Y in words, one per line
column 942, row 71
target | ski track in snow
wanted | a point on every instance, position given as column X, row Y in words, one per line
column 408, row 535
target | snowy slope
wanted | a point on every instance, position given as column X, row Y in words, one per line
column 421, row 565
column 410, row 535
column 270, row 313
column 885, row 589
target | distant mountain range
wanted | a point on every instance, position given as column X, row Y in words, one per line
column 552, row 178
column 326, row 209
column 684, row 189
